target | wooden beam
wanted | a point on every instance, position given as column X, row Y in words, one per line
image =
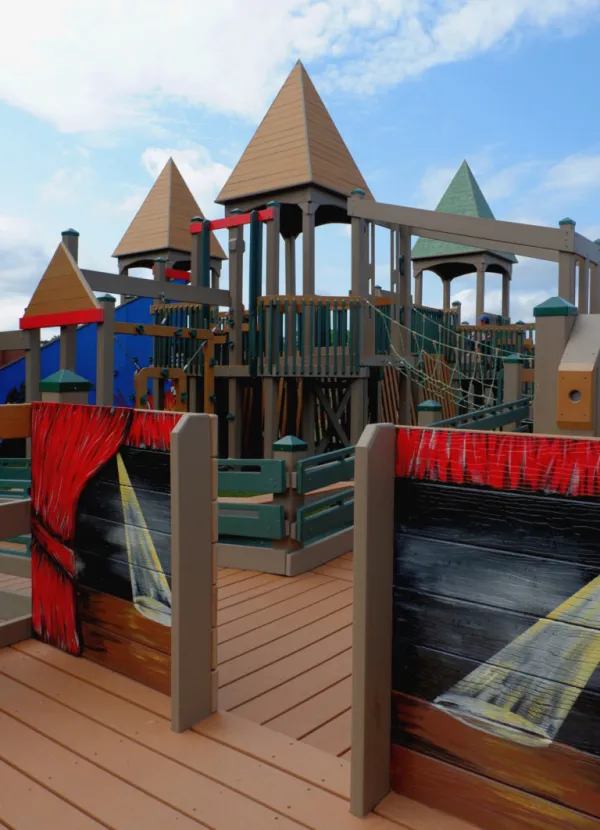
column 156, row 330
column 522, row 250
column 485, row 233
column 587, row 249
column 15, row 518
column 137, row 287
column 15, row 420
column 234, row 221
column 13, row 340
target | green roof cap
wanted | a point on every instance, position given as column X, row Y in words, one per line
column 555, row 307
column 463, row 198
column 567, row 221
column 429, row 406
column 290, row 444
column 65, row 381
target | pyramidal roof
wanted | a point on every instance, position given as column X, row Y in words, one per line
column 163, row 220
column 296, row 143
column 62, row 289
column 465, row 198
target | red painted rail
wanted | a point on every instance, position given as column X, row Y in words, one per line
column 266, row 215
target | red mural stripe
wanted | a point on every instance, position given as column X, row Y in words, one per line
column 152, row 429
column 63, row 318
column 503, row 461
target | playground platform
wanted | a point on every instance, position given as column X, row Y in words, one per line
column 92, row 748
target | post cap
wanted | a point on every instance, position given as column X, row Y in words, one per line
column 65, row 381
column 236, row 211
column 290, row 444
column 358, row 191
column 520, row 323
column 107, row 298
column 456, row 302
column 567, row 221
column 555, row 307
column 429, row 406
column 273, row 204
column 160, row 259
column 514, row 358
column 197, row 219
column 70, row 232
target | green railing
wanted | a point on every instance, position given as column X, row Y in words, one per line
column 491, row 418
column 15, row 483
column 250, row 477
column 432, row 329
column 323, row 470
column 325, row 516
column 251, row 521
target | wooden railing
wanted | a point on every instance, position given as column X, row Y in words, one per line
column 295, row 527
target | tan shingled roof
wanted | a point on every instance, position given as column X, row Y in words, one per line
column 62, row 288
column 296, row 143
column 163, row 220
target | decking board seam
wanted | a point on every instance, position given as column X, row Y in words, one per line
column 304, row 700
column 311, row 584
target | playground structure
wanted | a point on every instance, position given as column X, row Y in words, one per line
column 189, row 569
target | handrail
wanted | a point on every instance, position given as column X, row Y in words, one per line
column 491, row 417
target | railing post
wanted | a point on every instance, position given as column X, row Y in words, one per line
column 429, row 412
column 513, row 383
column 554, row 321
column 273, row 228
column 290, row 450
column 105, row 357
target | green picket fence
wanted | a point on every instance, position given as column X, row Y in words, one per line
column 15, row 483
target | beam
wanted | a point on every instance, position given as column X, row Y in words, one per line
column 155, row 330
column 483, row 233
column 62, row 319
column 234, row 221
column 586, row 248
column 120, row 284
column 13, row 340
column 475, row 242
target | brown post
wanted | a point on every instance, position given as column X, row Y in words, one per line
column 194, row 533
column 566, row 265
column 160, row 266
column 234, row 418
column 33, row 367
column 506, row 295
column 68, row 347
column 271, row 425
column 358, row 409
column 196, row 254
column 308, row 415
column 419, row 288
column 445, row 294
column 360, row 274
column 583, row 298
column 429, row 412
column 273, row 229
column 290, row 266
column 236, row 286
column 457, row 307
column 480, row 290
column 308, row 248
column 513, row 383
column 105, row 355
column 554, row 321
column 404, row 234
column 594, row 286
column 372, row 617
column 70, row 239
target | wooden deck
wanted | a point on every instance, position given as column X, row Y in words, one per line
column 84, row 747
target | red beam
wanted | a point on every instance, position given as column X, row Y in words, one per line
column 174, row 274
column 62, row 318
column 266, row 215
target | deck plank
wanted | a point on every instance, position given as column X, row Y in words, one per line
column 281, row 792
column 188, row 792
column 261, row 681
column 86, row 786
column 335, row 572
column 285, row 645
column 315, row 712
column 286, row 591
column 26, row 805
column 334, row 736
column 234, row 577
column 296, row 691
column 230, row 593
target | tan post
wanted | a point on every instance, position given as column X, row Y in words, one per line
column 70, row 239
column 160, row 267
column 308, row 414
column 445, row 294
column 309, row 210
column 290, row 265
column 105, row 356
column 33, row 367
column 404, row 239
column 512, row 389
column 506, row 295
column 271, row 423
column 273, row 229
column 68, row 334
column 372, row 617
column 566, row 265
column 65, row 386
column 429, row 412
column 291, row 450
column 456, row 305
column 480, row 290
column 194, row 533
column 554, row 321
column 419, row 288
column 594, row 286
column 583, row 298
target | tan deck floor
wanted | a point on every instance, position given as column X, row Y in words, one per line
column 84, row 747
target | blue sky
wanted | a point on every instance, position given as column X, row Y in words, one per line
column 109, row 90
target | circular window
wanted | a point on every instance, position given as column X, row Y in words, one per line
column 575, row 395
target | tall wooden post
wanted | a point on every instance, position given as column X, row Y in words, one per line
column 308, row 248
column 105, row 354
column 419, row 288
column 404, row 240
column 273, row 233
column 290, row 266
column 236, row 286
column 583, row 299
column 554, row 321
column 429, row 412
column 445, row 294
column 594, row 286
column 360, row 289
column 68, row 334
column 506, row 296
column 480, row 290
column 567, row 265
column 512, row 389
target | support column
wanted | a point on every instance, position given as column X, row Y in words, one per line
column 70, row 239
column 308, row 415
column 273, row 233
column 583, row 299
column 594, row 286
column 419, row 288
column 566, row 276
column 360, row 272
column 105, row 354
column 404, row 267
column 33, row 367
column 506, row 296
column 236, row 286
column 480, row 291
column 308, row 248
column 290, row 265
column 234, row 419
column 554, row 321
column 429, row 412
column 445, row 294
column 68, row 347
column 271, row 425
column 512, row 389
column 358, row 409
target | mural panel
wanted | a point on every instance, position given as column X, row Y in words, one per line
column 496, row 682
column 101, row 530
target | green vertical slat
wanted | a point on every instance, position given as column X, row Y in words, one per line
column 335, row 338
column 279, row 344
column 262, row 341
column 286, row 339
column 205, row 274
column 303, row 337
column 357, row 324
column 254, row 288
column 272, row 329
column 343, row 336
column 294, row 334
column 327, row 336
column 311, row 335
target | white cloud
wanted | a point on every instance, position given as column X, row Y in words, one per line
column 106, row 65
column 66, row 184
column 574, row 176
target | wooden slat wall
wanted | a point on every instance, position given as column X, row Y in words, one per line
column 475, row 569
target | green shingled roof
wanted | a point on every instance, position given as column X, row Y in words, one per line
column 463, row 197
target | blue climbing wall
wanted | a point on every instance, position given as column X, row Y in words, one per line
column 129, row 351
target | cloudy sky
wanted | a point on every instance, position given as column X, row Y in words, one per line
column 95, row 96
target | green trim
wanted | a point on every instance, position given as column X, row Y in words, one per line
column 70, row 232
column 514, row 358
column 325, row 516
column 429, row 406
column 65, row 381
column 290, row 443
column 323, row 470
column 555, row 307
column 256, row 521
column 107, row 298
column 567, row 221
column 241, row 476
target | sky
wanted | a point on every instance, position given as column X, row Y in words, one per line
column 96, row 96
